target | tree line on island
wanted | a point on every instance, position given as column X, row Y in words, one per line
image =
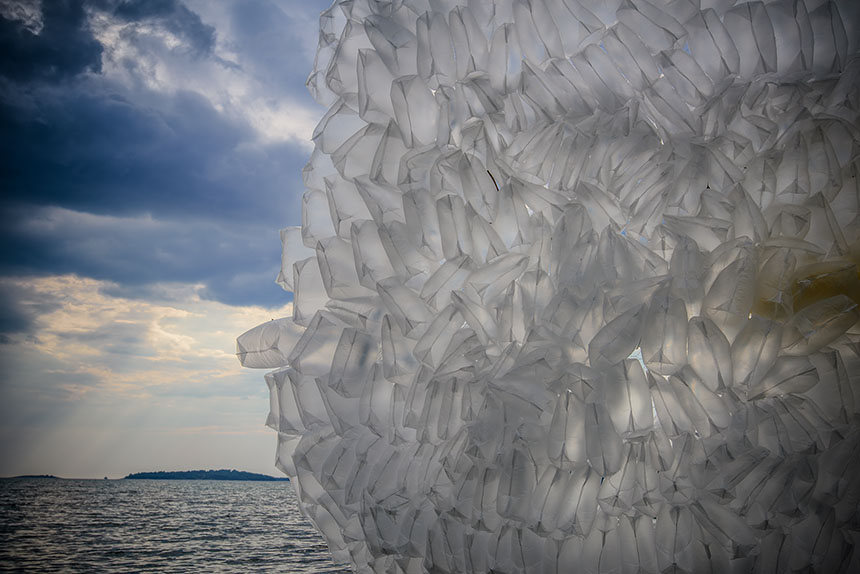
column 222, row 474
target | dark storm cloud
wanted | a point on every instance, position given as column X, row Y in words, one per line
column 65, row 46
column 96, row 151
column 120, row 182
column 189, row 203
column 184, row 192
column 237, row 264
column 20, row 308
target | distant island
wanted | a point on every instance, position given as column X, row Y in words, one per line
column 222, row 474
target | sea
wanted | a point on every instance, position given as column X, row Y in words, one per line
column 62, row 525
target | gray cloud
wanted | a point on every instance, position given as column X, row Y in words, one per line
column 20, row 308
column 187, row 191
column 95, row 150
column 237, row 263
column 63, row 48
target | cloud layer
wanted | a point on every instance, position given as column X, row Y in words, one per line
column 95, row 363
column 152, row 151
column 183, row 136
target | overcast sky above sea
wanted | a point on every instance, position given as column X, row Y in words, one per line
column 150, row 150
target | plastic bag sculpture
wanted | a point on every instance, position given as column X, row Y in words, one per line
column 576, row 288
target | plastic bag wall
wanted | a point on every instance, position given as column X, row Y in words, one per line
column 576, row 288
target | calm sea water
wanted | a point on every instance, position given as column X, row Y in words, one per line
column 55, row 525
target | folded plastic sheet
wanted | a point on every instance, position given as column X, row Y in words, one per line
column 576, row 288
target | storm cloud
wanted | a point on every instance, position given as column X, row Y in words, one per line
column 150, row 151
column 140, row 143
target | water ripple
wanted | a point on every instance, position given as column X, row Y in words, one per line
column 54, row 525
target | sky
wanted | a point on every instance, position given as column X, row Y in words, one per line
column 150, row 150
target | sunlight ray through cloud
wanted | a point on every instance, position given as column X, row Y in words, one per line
column 100, row 361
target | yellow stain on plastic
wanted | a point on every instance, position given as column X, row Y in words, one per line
column 818, row 281
column 783, row 290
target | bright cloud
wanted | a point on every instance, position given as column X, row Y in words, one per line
column 98, row 362
column 148, row 54
column 176, row 343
